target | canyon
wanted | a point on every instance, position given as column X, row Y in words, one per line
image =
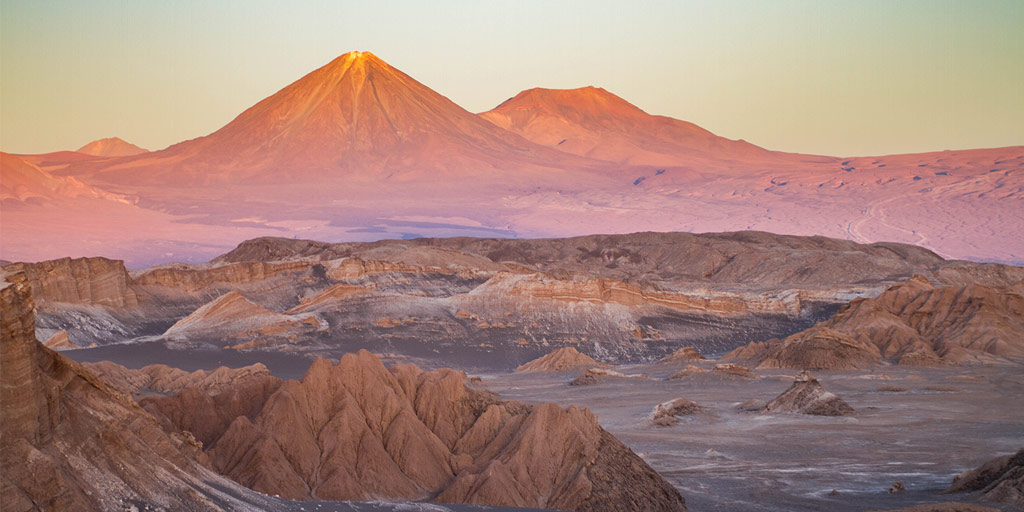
column 498, row 303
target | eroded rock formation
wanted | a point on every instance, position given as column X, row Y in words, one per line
column 564, row 359
column 69, row 442
column 359, row 430
column 720, row 371
column 912, row 323
column 79, row 280
column 1000, row 480
column 595, row 375
column 808, row 396
column 667, row 414
column 160, row 378
column 683, row 355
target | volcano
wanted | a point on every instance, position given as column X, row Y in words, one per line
column 112, row 146
column 593, row 122
column 356, row 117
column 358, row 150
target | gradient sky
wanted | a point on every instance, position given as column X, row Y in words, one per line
column 838, row 78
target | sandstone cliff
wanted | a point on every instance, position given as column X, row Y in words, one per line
column 80, row 280
column 68, row 442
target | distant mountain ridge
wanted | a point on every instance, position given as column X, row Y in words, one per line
column 112, row 146
column 357, row 150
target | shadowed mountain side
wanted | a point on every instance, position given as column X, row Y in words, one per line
column 358, row 429
column 1000, row 480
column 68, row 442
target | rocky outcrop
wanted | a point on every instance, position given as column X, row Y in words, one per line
column 191, row 278
column 561, row 360
column 814, row 349
column 595, row 375
column 914, row 323
column 79, row 281
column 683, row 355
column 160, row 378
column 720, row 371
column 1000, row 480
column 68, row 442
column 667, row 414
column 610, row 291
column 356, row 430
column 59, row 341
column 807, row 396
column 330, row 297
column 233, row 316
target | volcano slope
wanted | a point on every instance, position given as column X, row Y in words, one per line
column 483, row 302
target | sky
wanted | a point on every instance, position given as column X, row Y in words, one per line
column 824, row 77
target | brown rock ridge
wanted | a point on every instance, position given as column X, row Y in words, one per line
column 68, row 442
column 595, row 375
column 160, row 378
column 683, row 355
column 235, row 316
column 723, row 370
column 359, row 430
column 80, row 280
column 749, row 258
column 666, row 414
column 1000, row 480
column 807, row 396
column 59, row 341
column 911, row 323
column 196, row 277
column 564, row 359
column 603, row 291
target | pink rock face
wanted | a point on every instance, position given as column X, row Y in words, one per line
column 358, row 150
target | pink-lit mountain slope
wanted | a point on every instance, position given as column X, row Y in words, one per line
column 111, row 146
column 593, row 122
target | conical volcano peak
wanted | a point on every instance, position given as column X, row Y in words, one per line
column 355, row 113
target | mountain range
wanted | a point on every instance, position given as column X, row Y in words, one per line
column 357, row 150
